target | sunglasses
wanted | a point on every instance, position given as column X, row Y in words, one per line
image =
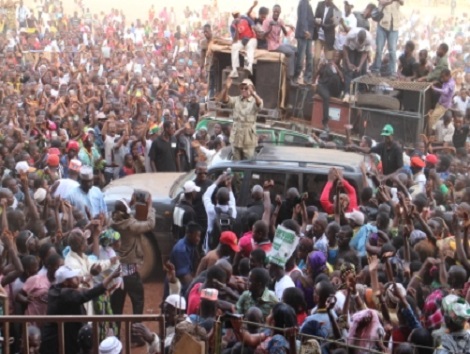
column 202, row 173
column 244, row 88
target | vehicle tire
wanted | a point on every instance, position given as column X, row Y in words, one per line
column 149, row 249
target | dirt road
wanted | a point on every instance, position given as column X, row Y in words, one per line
column 153, row 298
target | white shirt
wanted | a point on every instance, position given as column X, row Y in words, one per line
column 210, row 210
column 460, row 104
column 109, row 143
column 281, row 285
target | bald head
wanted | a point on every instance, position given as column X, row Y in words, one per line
column 226, row 266
column 292, row 193
column 257, row 192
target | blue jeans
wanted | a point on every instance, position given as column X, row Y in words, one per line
column 289, row 51
column 391, row 37
column 304, row 50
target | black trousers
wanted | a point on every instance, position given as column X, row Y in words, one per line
column 332, row 88
column 133, row 287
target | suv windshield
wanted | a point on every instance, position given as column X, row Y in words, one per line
column 177, row 187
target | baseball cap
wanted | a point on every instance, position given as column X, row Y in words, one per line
column 209, row 294
column 101, row 115
column 53, row 151
column 190, row 187
column 387, row 130
column 73, row 145
column 356, row 216
column 64, row 273
column 417, row 161
column 110, row 345
column 75, row 165
column 53, row 160
column 432, row 159
column 230, row 239
column 23, row 166
column 247, row 82
column 40, row 195
column 177, row 301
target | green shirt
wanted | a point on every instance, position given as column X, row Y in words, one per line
column 441, row 64
column 265, row 303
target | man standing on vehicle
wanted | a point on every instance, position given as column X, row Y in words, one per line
column 207, row 71
column 243, row 138
column 304, row 34
column 387, row 31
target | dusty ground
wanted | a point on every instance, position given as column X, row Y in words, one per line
column 153, row 298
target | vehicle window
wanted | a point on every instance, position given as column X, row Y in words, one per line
column 314, row 184
column 282, row 181
column 265, row 136
column 298, row 140
column 237, row 180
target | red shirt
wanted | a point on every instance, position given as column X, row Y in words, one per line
column 194, row 300
column 244, row 29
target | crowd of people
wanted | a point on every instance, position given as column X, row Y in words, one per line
column 89, row 98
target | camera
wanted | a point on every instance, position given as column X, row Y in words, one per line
column 141, row 196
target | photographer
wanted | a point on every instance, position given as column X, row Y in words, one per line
column 131, row 254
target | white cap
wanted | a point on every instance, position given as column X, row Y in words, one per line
column 192, row 119
column 40, row 195
column 110, row 345
column 64, row 273
column 126, row 204
column 356, row 216
column 23, row 167
column 86, row 172
column 190, row 187
column 177, row 301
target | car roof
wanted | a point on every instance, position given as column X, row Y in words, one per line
column 280, row 157
column 157, row 184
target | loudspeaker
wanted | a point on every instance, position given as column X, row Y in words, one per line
column 406, row 127
column 410, row 101
column 267, row 80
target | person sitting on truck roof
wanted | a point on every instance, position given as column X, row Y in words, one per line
column 245, row 37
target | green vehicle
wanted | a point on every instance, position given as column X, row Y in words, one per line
column 266, row 133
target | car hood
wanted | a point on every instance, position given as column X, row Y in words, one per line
column 157, row 184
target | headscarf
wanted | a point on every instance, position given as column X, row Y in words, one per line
column 317, row 262
column 365, row 336
column 346, row 269
column 456, row 309
column 432, row 310
column 108, row 237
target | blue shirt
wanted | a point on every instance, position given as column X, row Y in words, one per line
column 183, row 256
column 93, row 200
